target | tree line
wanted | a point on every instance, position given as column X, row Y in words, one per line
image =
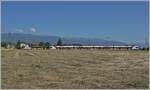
column 44, row 45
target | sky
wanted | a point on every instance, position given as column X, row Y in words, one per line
column 126, row 21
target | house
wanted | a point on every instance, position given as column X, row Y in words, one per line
column 27, row 47
column 24, row 46
column 36, row 46
column 135, row 48
column 52, row 47
column 10, row 46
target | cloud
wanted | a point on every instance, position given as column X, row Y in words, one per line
column 32, row 29
column 20, row 30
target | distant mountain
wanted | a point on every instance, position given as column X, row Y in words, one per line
column 90, row 41
column 14, row 37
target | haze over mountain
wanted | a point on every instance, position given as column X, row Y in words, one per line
column 29, row 38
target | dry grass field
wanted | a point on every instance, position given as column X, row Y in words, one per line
column 78, row 69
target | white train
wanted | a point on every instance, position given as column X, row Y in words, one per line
column 133, row 47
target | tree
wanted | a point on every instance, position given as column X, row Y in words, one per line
column 47, row 45
column 44, row 45
column 18, row 44
column 41, row 44
column 59, row 42
column 3, row 44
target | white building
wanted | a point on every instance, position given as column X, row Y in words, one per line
column 135, row 47
column 10, row 46
column 53, row 47
column 25, row 46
